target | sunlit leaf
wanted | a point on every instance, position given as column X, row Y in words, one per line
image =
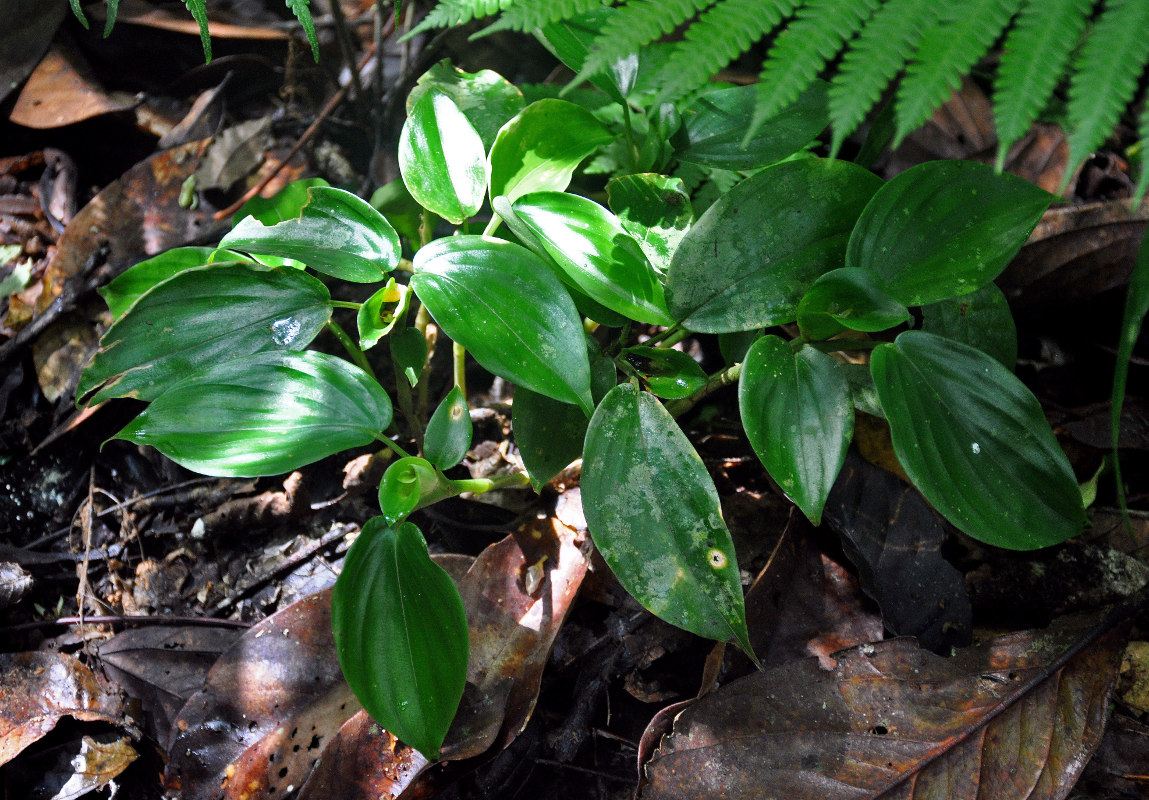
column 655, row 210
column 448, row 435
column 485, row 97
column 442, row 158
column 131, row 284
column 667, row 373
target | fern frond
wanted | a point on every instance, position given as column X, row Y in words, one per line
column 719, row 36
column 873, row 60
column 1143, row 146
column 79, row 12
column 1107, row 68
column 110, row 22
column 1036, row 52
column 637, row 23
column 811, row 39
column 526, row 15
column 302, row 12
column 963, row 33
column 198, row 9
column 458, row 12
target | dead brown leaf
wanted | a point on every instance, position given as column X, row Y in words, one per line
column 1016, row 717
column 62, row 91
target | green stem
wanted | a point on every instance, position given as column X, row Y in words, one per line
column 515, row 480
column 658, row 338
column 631, row 149
column 459, row 366
column 718, row 380
column 492, row 226
column 422, row 324
column 346, row 304
column 399, row 451
column 352, row 349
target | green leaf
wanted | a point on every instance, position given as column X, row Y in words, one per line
column 303, row 14
column 974, row 441
column 381, row 312
column 590, row 246
column 1033, row 60
column 571, row 41
column 799, row 418
column 263, row 414
column 655, row 210
column 539, row 149
column 199, row 317
column 336, row 233
column 401, row 634
column 405, row 485
column 448, row 435
column 1136, row 307
column 948, row 49
column 670, row 374
column 134, row 282
column 287, row 203
column 981, row 319
column 198, row 9
column 549, row 434
column 442, row 158
column 945, row 229
column 653, row 512
column 747, row 262
column 396, row 204
column 1107, row 69
column 409, row 352
column 848, row 299
column 716, row 123
column 485, row 97
column 503, row 304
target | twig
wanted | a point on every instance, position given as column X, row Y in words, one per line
column 115, row 619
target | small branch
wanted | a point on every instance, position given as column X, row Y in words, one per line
column 719, row 380
column 352, row 349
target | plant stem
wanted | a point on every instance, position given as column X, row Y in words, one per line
column 459, row 366
column 352, row 349
column 493, row 225
column 399, row 451
column 658, row 338
column 515, row 480
column 718, row 380
column 430, row 333
column 406, row 403
column 346, row 304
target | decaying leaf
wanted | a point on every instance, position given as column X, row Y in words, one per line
column 62, row 90
column 363, row 761
column 39, row 688
column 72, row 770
column 14, row 583
column 1015, row 717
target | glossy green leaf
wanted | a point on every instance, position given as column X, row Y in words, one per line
column 848, row 299
column 653, row 512
column 485, row 97
column 502, row 303
column 199, row 317
column 405, row 484
column 716, row 123
column 974, row 441
column 571, row 41
column 448, row 436
column 539, row 149
column 442, row 158
column 287, row 203
column 944, row 229
column 981, row 319
column 749, row 259
column 134, row 282
column 548, row 433
column 263, row 414
column 668, row 373
column 336, row 233
column 799, row 418
column 378, row 315
column 589, row 245
column 401, row 634
column 409, row 351
column 655, row 210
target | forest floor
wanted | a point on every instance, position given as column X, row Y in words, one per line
column 164, row 631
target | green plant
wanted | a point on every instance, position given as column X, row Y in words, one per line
column 803, row 258
column 1098, row 48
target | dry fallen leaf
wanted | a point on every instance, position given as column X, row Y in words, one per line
column 1016, row 717
column 62, row 90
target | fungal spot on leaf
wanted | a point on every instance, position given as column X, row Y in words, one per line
column 716, row 558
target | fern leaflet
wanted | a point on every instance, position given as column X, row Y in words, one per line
column 948, row 49
column 1107, row 69
column 719, row 36
column 1036, row 52
column 79, row 12
column 303, row 13
column 458, row 12
column 873, row 60
column 198, row 9
column 1143, row 145
column 110, row 22
column 639, row 22
column 526, row 15
column 810, row 40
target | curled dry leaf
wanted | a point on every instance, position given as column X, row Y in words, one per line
column 15, row 582
column 40, row 688
column 1016, row 717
